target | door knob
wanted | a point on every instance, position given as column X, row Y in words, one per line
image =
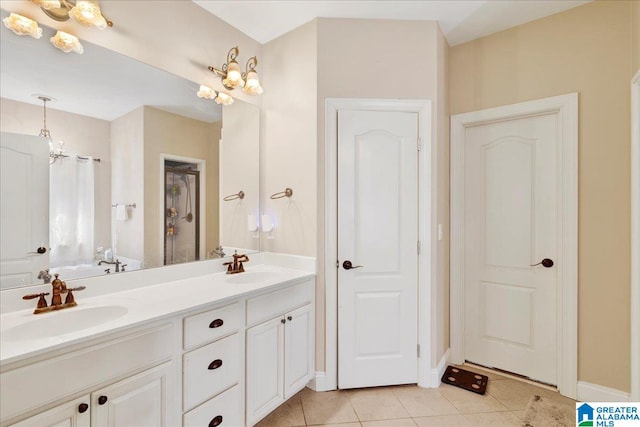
column 548, row 263
column 41, row 250
column 348, row 265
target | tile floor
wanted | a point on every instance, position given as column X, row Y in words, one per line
column 410, row 406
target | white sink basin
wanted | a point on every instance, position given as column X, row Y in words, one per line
column 252, row 277
column 52, row 324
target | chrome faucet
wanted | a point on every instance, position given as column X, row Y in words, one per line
column 218, row 251
column 58, row 287
column 44, row 275
column 116, row 263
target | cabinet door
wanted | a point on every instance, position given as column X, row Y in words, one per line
column 265, row 391
column 70, row 414
column 298, row 353
column 142, row 400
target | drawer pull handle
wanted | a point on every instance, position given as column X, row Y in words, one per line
column 102, row 400
column 216, row 421
column 215, row 364
column 82, row 408
column 216, row 323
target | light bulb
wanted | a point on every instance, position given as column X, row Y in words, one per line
column 234, row 76
column 66, row 42
column 87, row 13
column 22, row 25
column 206, row 92
column 252, row 85
column 224, row 99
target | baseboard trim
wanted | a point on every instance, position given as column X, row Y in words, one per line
column 438, row 371
column 319, row 382
column 588, row 392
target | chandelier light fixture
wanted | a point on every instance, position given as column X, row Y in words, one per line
column 219, row 97
column 85, row 12
column 55, row 153
column 232, row 77
column 22, row 26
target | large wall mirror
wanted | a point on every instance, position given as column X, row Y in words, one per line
column 139, row 170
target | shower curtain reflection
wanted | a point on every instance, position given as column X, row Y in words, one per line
column 71, row 210
column 182, row 207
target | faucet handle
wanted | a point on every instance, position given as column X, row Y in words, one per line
column 70, row 300
column 42, row 303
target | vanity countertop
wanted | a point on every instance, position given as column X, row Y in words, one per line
column 133, row 308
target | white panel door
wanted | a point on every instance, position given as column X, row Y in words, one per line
column 24, row 208
column 510, row 222
column 377, row 230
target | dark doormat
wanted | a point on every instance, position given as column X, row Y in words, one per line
column 465, row 379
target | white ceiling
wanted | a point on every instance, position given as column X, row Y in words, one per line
column 460, row 20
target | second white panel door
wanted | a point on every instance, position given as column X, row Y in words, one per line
column 377, row 234
column 511, row 224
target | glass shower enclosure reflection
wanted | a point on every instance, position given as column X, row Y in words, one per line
column 182, row 213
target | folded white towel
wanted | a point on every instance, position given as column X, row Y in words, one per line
column 121, row 212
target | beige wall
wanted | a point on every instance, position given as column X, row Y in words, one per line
column 635, row 42
column 127, row 182
column 584, row 50
column 177, row 36
column 240, row 171
column 441, row 287
column 167, row 133
column 82, row 135
column 289, row 140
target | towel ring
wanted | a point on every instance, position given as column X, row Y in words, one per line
column 288, row 192
column 239, row 195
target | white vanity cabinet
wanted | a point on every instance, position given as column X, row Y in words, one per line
column 223, row 361
column 279, row 348
column 130, row 380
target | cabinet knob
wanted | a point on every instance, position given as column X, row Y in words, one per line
column 283, row 320
column 216, row 323
column 289, row 318
column 215, row 364
column 216, row 421
column 102, row 400
column 82, row 408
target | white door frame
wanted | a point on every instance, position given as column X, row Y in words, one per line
column 427, row 377
column 566, row 109
column 635, row 238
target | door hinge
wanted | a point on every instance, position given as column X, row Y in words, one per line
column 419, row 247
column 418, row 349
column 419, row 144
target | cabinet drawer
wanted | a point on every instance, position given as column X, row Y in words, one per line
column 224, row 411
column 211, row 369
column 265, row 307
column 205, row 327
